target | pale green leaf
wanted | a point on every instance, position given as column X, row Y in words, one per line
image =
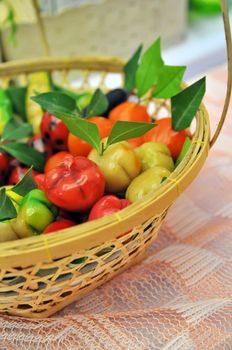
column 130, row 69
column 169, row 81
column 149, row 68
column 184, row 150
column 123, row 130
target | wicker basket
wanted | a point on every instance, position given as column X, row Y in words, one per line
column 40, row 275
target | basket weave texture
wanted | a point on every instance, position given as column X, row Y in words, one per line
column 40, row 275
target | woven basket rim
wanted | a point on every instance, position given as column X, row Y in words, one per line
column 111, row 64
column 87, row 235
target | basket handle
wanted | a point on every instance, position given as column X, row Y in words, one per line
column 226, row 21
column 41, row 28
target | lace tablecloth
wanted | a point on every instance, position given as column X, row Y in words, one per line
column 180, row 297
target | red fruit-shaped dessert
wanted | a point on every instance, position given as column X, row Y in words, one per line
column 59, row 225
column 54, row 132
column 74, row 185
column 107, row 205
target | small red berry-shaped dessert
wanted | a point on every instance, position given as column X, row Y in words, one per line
column 54, row 132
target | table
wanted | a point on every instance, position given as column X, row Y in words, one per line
column 180, row 296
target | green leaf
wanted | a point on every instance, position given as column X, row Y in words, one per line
column 25, row 154
column 184, row 150
column 64, row 108
column 66, row 91
column 130, row 69
column 56, row 101
column 149, row 68
column 186, row 103
column 26, row 184
column 82, row 99
column 80, row 127
column 7, row 209
column 17, row 95
column 127, row 130
column 98, row 104
column 169, row 81
column 14, row 130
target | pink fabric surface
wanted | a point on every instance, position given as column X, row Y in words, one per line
column 180, row 296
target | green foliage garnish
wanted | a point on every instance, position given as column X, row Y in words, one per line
column 98, row 104
column 15, row 130
column 17, row 95
column 82, row 99
column 7, row 209
column 164, row 82
column 66, row 91
column 87, row 131
column 149, row 69
column 23, row 187
column 130, row 69
column 184, row 150
column 169, row 81
column 152, row 73
column 26, row 184
column 80, row 127
column 61, row 102
column 186, row 103
column 56, row 101
column 123, row 130
column 25, row 154
column 6, row 112
column 64, row 107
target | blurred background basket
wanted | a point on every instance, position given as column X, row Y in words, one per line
column 40, row 275
column 89, row 27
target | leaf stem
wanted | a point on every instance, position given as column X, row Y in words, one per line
column 150, row 96
column 102, row 148
column 15, row 201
